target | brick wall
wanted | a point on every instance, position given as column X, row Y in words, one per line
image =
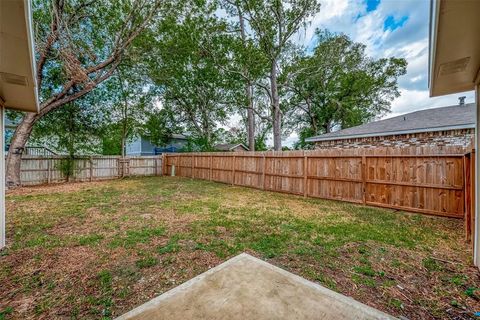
column 462, row 138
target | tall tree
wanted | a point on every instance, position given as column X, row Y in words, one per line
column 247, row 62
column 79, row 44
column 136, row 100
column 185, row 67
column 273, row 24
column 237, row 9
column 339, row 86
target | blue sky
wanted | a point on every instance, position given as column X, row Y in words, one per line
column 389, row 28
column 372, row 5
column 397, row 28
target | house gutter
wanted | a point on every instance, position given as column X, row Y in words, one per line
column 31, row 47
column 432, row 43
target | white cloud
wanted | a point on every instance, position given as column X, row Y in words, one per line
column 330, row 10
column 409, row 41
column 412, row 100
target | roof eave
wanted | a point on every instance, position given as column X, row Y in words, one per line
column 454, row 57
column 392, row 133
column 18, row 84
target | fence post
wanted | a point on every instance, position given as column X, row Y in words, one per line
column 211, row 165
column 193, row 166
column 164, row 165
column 305, row 175
column 48, row 170
column 466, row 190
column 233, row 171
column 264, row 164
column 472, row 192
column 90, row 162
column 157, row 167
column 364, row 179
column 123, row 170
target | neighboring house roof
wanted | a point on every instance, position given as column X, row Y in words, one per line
column 229, row 146
column 428, row 120
column 179, row 136
column 11, row 124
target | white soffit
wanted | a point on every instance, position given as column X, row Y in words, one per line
column 17, row 63
column 454, row 46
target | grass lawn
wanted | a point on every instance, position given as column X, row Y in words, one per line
column 96, row 250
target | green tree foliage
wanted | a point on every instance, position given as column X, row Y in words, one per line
column 198, row 93
column 79, row 45
column 75, row 129
column 159, row 127
column 111, row 139
column 339, row 86
column 248, row 61
column 111, row 76
column 273, row 24
column 133, row 100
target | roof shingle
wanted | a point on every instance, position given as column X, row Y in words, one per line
column 435, row 119
column 229, row 146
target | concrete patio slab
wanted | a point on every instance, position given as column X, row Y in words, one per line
column 245, row 287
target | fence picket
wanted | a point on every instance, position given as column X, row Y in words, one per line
column 36, row 170
column 410, row 180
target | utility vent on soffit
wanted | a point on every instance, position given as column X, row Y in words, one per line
column 14, row 79
column 454, row 66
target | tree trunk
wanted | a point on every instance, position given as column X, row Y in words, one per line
column 124, row 129
column 71, row 139
column 326, row 127
column 123, row 146
column 277, row 115
column 250, row 118
column 17, row 145
column 124, row 112
column 248, row 89
column 314, row 125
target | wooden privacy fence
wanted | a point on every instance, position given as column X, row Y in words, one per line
column 37, row 170
column 426, row 183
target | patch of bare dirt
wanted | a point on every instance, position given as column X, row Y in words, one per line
column 87, row 282
column 55, row 188
column 402, row 282
column 172, row 270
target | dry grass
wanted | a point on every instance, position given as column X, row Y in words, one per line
column 96, row 250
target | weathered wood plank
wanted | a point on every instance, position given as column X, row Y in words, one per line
column 42, row 170
column 410, row 179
